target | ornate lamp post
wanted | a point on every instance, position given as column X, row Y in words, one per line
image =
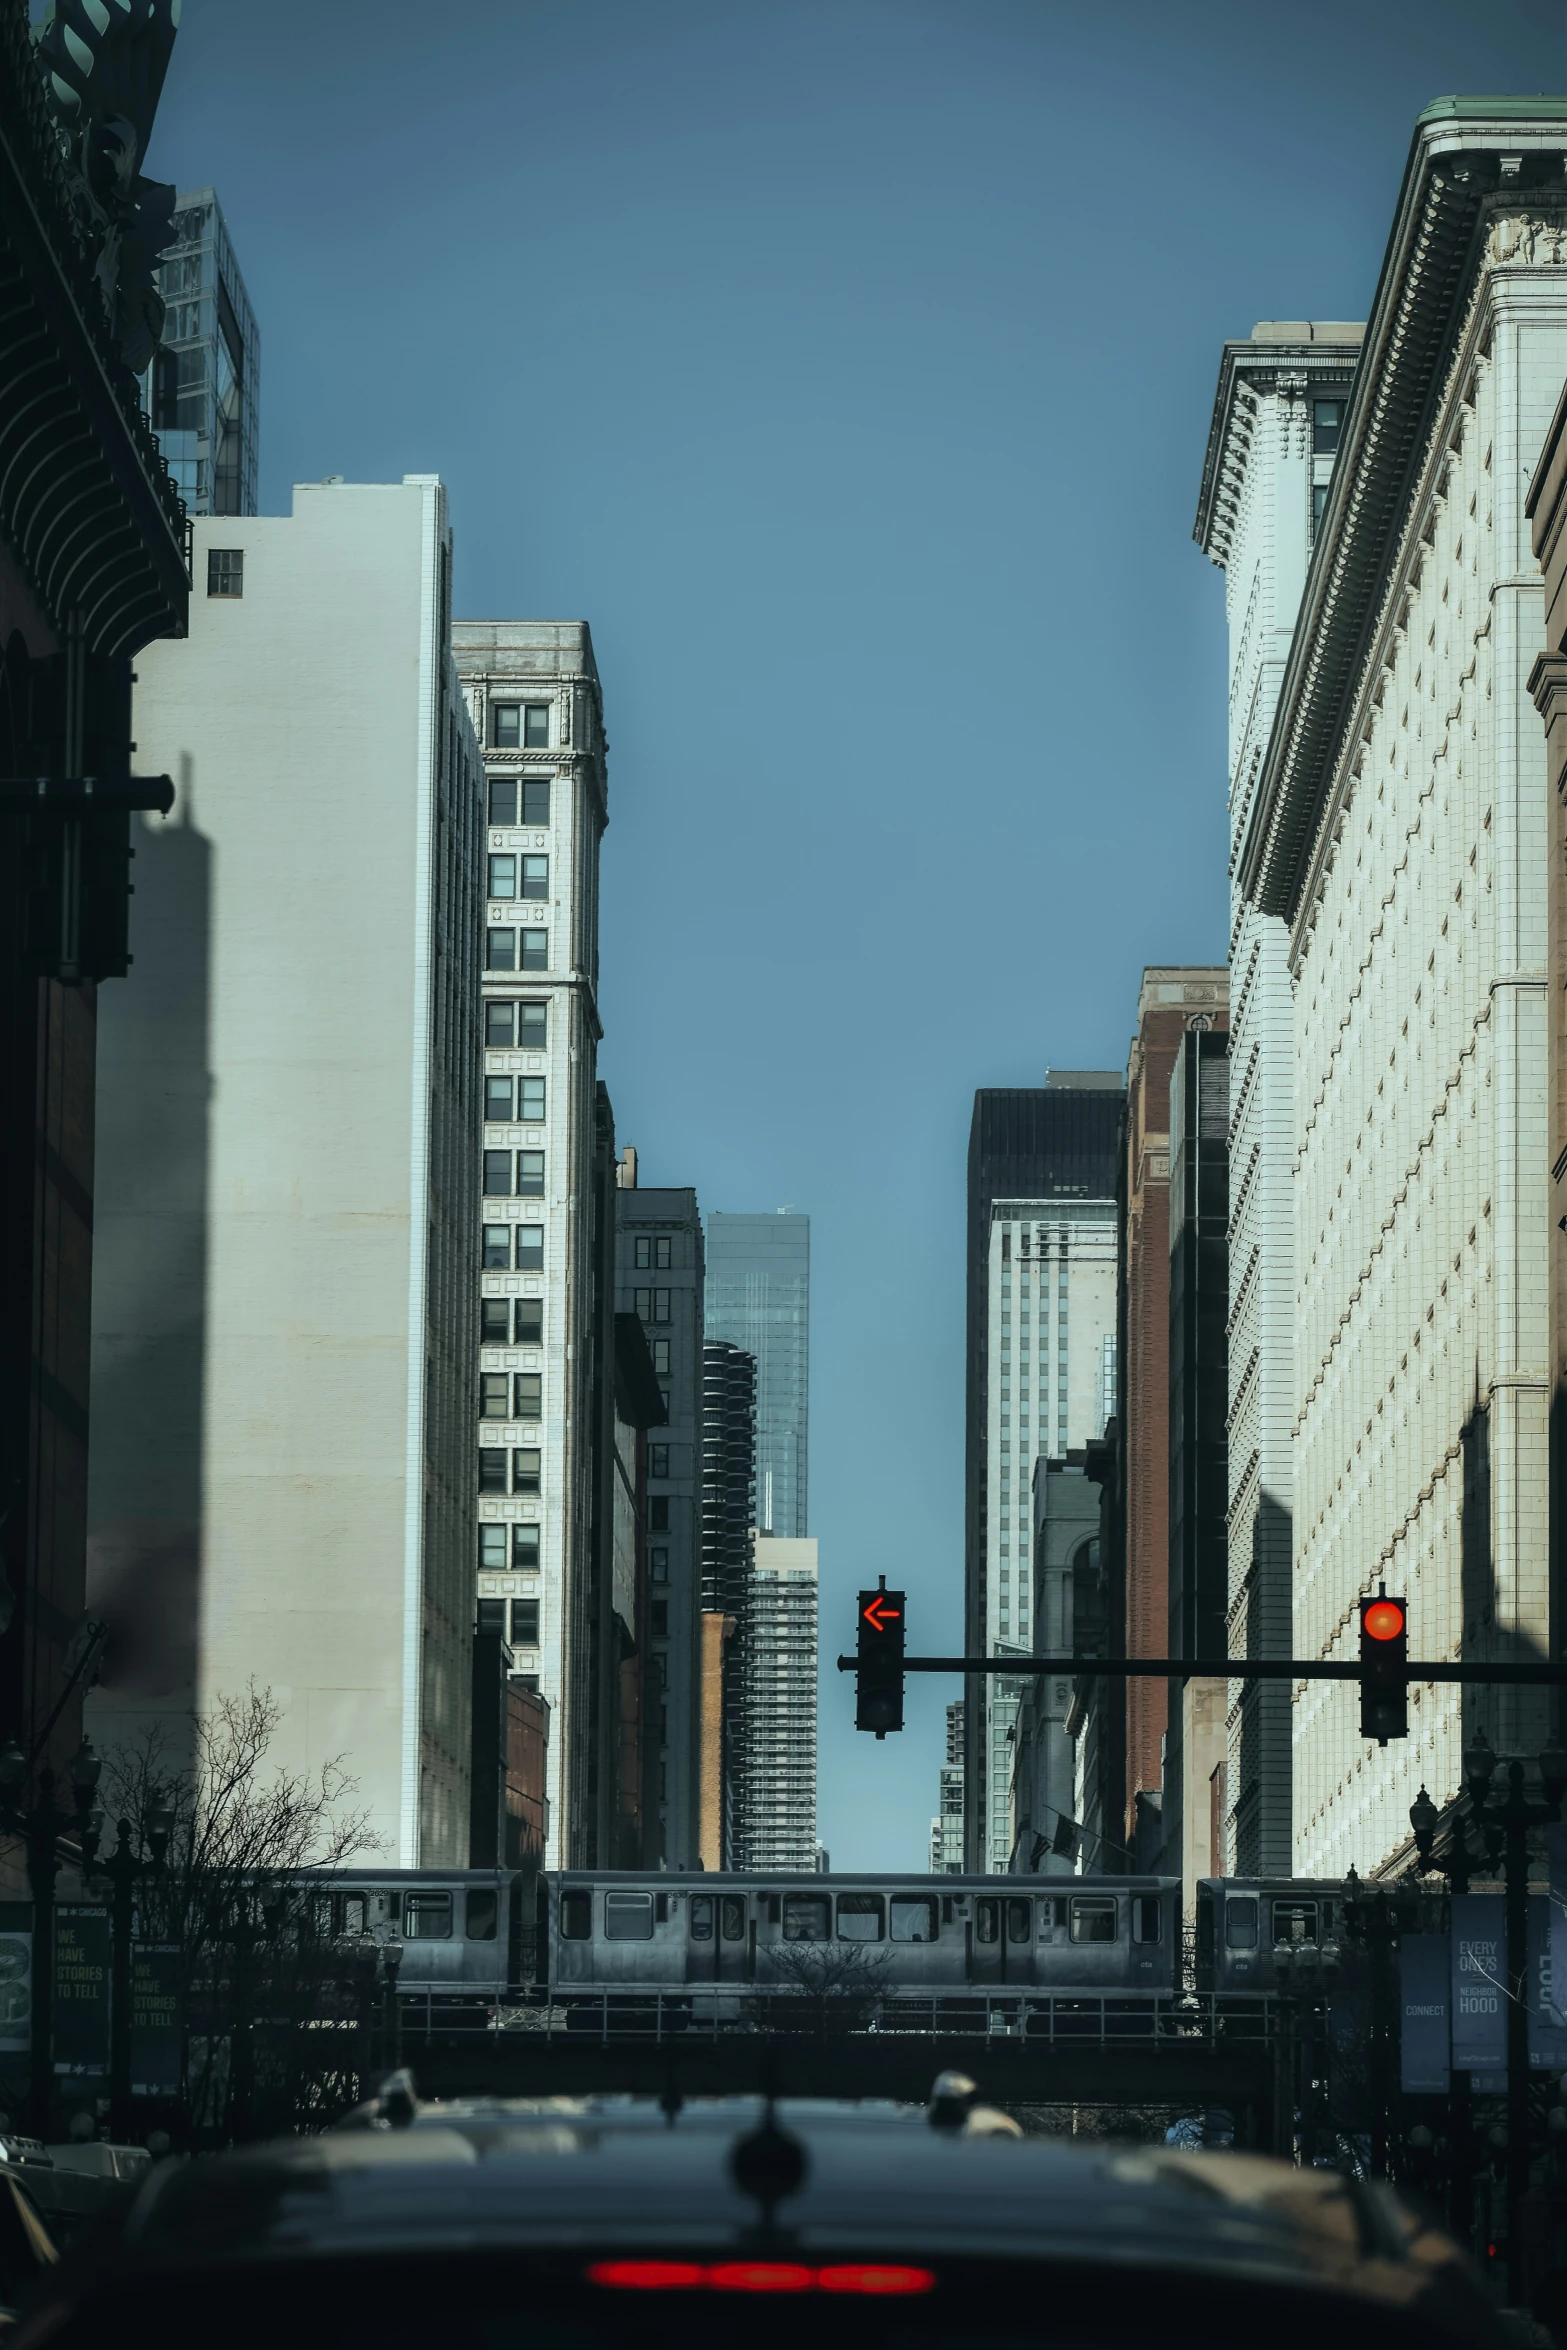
column 40, row 1827
column 125, row 1867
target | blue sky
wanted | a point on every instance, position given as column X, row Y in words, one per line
column 847, row 364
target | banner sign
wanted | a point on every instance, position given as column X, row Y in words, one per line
column 81, row 1989
column 1479, row 1983
column 1547, row 2025
column 16, row 1977
column 157, row 1988
column 1425, row 1972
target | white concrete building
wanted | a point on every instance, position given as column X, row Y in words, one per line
column 286, row 1271
column 1277, row 420
column 1052, row 1306
column 780, row 1705
column 533, row 691
column 1399, row 827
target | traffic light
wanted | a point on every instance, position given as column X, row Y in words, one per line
column 1384, row 1667
column 878, row 1668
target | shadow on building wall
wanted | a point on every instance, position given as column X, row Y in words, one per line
column 1262, row 1828
column 144, row 1541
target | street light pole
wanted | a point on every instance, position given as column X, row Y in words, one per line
column 40, row 1828
column 125, row 1867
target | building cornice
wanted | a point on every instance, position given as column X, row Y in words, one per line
column 1250, row 371
column 1469, row 161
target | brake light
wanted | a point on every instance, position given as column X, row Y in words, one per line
column 759, row 2276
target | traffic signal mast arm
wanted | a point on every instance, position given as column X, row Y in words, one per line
column 1230, row 1668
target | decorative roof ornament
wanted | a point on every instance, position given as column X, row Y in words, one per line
column 103, row 64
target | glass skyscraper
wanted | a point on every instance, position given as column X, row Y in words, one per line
column 759, row 1298
column 204, row 385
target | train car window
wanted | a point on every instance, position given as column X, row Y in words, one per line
column 859, row 1917
column 1019, row 1923
column 946, row 1909
column 1240, row 1922
column 807, row 1917
column 354, row 1916
column 628, row 1917
column 427, row 1917
column 987, row 1921
column 1093, row 1918
column 731, row 1911
column 772, row 1908
column 576, row 1917
column 1294, row 1921
column 913, row 1917
column 661, row 1908
column 483, row 1914
column 1145, row 1917
column 1205, row 1925
column 701, row 1917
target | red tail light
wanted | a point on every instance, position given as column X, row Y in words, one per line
column 648, row 2276
column 862, row 2278
column 761, row 2276
column 758, row 2276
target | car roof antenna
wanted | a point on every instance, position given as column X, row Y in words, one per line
column 769, row 2164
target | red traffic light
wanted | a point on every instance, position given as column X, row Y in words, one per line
column 878, row 1614
column 1382, row 1619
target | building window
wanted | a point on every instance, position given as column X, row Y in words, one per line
column 492, row 1616
column 535, row 876
column 500, row 950
column 525, row 1623
column 1327, row 420
column 503, row 877
column 652, row 1305
column 535, row 799
column 530, row 1321
column 643, row 1253
column 658, row 1460
column 506, row 726
column 530, row 1248
column 533, row 1026
column 494, row 1316
column 492, row 1469
column 658, row 1513
column 497, row 1248
column 1319, row 500
column 492, row 1395
column 492, row 1549
column 497, row 1101
column 525, row 1470
column 530, row 1174
column 535, row 951
column 500, row 1026
column 525, row 1548
column 529, row 1395
column 658, row 1614
column 652, row 1254
column 536, row 726
column 530, row 1100
column 225, row 571
column 661, row 1354
column 658, row 1565
column 497, row 1174
column 503, row 799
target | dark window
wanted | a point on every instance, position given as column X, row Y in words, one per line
column 492, row 1469
column 913, row 1917
column 628, row 1917
column 494, row 1321
column 535, row 799
column 525, row 1469
column 661, row 1305
column 530, row 1174
column 530, row 1321
column 1294, row 1921
column 492, row 1616
column 661, row 1255
column 427, row 1917
column 497, row 1248
column 658, row 1565
column 658, row 1513
column 643, row 1253
column 1319, row 501
column 1205, row 1925
column 658, row 1617
column 701, row 1917
column 535, row 951
column 536, row 726
column 644, row 1305
column 506, row 726
column 576, row 1917
column 525, row 1623
column 658, row 1460
column 530, row 1392
column 492, row 1395
column 1019, row 1923
column 535, row 877
column 731, row 1910
column 1146, row 1925
column 533, row 1026
column 500, row 950
column 661, row 1355
column 987, row 1921
column 1240, row 1922
column 530, row 1248
column 225, row 571
column 483, row 1913
column 500, row 1024
column 497, row 1174
column 1093, row 1919
column 807, row 1917
column 1327, row 421
column 530, row 1100
column 859, row 1917
column 497, row 1101
column 492, row 1549
column 503, row 877
column 524, row 1548
column 503, row 799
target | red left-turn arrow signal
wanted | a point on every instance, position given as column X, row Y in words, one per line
column 879, row 1615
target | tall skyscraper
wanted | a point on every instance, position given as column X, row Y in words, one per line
column 728, row 1557
column 284, row 1310
column 1041, row 1234
column 779, row 1829
column 1272, row 444
column 759, row 1297
column 659, row 1277
column 547, row 1266
column 204, row 385
column 946, row 1829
